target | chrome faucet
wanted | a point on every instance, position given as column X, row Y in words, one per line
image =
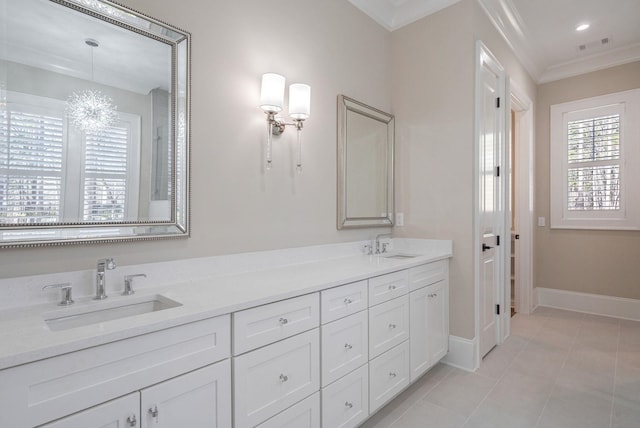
column 103, row 266
column 377, row 243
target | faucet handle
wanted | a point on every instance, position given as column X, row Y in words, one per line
column 384, row 247
column 66, row 289
column 128, row 283
column 367, row 249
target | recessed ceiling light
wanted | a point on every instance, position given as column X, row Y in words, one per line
column 582, row 27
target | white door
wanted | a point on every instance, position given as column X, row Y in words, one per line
column 201, row 398
column 118, row 413
column 490, row 145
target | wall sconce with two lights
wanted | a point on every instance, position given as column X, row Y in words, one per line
column 271, row 102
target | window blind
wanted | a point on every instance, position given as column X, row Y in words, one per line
column 105, row 174
column 593, row 176
column 31, row 153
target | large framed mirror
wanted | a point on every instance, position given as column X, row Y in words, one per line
column 365, row 165
column 94, row 124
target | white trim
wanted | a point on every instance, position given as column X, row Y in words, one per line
column 396, row 14
column 610, row 306
column 462, row 353
column 523, row 182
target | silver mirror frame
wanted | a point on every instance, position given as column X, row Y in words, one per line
column 345, row 105
column 178, row 226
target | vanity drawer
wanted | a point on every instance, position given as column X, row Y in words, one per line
column 270, row 379
column 387, row 287
column 427, row 274
column 388, row 375
column 341, row 301
column 305, row 414
column 345, row 346
column 388, row 325
column 48, row 389
column 345, row 403
column 259, row 326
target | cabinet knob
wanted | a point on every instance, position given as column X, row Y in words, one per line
column 348, row 301
column 284, row 378
column 392, row 326
column 347, row 346
column 349, row 405
column 392, row 287
column 283, row 321
column 132, row 421
column 153, row 411
column 392, row 374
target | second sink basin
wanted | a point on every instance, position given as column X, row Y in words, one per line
column 107, row 311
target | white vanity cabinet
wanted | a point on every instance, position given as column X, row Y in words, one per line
column 54, row 388
column 429, row 309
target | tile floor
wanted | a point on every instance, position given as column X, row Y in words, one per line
column 558, row 369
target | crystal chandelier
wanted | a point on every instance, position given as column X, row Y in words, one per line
column 91, row 110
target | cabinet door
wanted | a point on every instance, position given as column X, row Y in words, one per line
column 271, row 379
column 429, row 327
column 419, row 336
column 345, row 346
column 345, row 403
column 388, row 325
column 388, row 375
column 201, row 398
column 438, row 320
column 119, row 413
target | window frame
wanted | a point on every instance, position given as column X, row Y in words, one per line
column 627, row 217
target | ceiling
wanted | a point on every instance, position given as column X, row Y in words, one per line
column 542, row 33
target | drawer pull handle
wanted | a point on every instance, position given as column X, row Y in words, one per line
column 347, row 346
column 132, row 421
column 392, row 374
column 284, row 378
column 349, row 405
column 392, row 326
column 153, row 411
column 392, row 287
column 347, row 301
column 283, row 321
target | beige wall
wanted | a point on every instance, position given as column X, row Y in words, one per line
column 433, row 100
column 589, row 261
column 235, row 206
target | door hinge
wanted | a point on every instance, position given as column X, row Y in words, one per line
column 498, row 309
column 517, row 236
column 498, row 171
column 498, row 102
column 498, row 240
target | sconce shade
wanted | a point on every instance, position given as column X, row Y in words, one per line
column 299, row 101
column 272, row 93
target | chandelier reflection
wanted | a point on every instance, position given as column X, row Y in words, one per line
column 91, row 110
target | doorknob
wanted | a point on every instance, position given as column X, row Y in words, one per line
column 485, row 247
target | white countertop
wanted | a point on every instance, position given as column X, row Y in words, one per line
column 25, row 337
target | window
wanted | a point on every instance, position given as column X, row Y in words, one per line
column 595, row 163
column 50, row 173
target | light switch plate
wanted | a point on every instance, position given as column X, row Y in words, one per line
column 399, row 219
column 542, row 221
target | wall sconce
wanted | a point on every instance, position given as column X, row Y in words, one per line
column 271, row 101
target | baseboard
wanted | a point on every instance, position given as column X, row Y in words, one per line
column 461, row 353
column 597, row 304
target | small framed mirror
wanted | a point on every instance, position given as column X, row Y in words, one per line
column 365, row 165
column 94, row 124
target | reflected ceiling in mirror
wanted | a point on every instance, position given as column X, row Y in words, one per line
column 94, row 124
column 365, row 165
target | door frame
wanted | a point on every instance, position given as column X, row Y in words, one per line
column 484, row 55
column 523, row 181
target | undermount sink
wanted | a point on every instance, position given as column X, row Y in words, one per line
column 65, row 319
column 400, row 256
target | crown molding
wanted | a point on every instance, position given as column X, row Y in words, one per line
column 394, row 14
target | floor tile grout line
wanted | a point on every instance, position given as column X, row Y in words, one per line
column 421, row 398
column 615, row 375
column 495, row 384
column 555, row 382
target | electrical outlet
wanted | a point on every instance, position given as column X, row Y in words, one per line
column 542, row 221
